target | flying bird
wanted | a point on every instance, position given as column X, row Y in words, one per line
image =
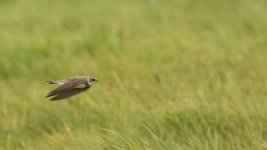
column 70, row 87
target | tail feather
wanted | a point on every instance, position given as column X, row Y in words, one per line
column 51, row 82
column 59, row 82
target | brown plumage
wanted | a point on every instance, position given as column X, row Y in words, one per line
column 70, row 87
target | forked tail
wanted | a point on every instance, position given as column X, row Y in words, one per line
column 60, row 82
column 52, row 82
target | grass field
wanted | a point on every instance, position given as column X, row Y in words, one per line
column 175, row 74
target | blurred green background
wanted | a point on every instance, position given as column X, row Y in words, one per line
column 175, row 74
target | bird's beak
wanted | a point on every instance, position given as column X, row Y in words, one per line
column 96, row 80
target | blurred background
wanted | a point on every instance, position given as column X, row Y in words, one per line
column 176, row 74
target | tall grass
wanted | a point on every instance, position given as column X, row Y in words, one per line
column 178, row 75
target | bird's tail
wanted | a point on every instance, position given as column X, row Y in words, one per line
column 52, row 82
column 60, row 82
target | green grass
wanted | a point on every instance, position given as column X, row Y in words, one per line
column 175, row 75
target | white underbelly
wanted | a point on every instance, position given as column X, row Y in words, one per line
column 80, row 86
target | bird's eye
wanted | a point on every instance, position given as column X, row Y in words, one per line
column 93, row 79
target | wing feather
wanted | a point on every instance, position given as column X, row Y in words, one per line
column 66, row 94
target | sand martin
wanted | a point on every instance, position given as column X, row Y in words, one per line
column 70, row 87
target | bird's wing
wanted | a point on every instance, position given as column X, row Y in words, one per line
column 71, row 83
column 66, row 94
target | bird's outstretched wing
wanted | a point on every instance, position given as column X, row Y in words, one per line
column 70, row 84
column 66, row 94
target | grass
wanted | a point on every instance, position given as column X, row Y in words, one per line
column 181, row 75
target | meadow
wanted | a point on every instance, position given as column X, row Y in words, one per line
column 174, row 74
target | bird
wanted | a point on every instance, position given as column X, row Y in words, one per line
column 70, row 87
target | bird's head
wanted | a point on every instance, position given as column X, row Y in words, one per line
column 92, row 80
